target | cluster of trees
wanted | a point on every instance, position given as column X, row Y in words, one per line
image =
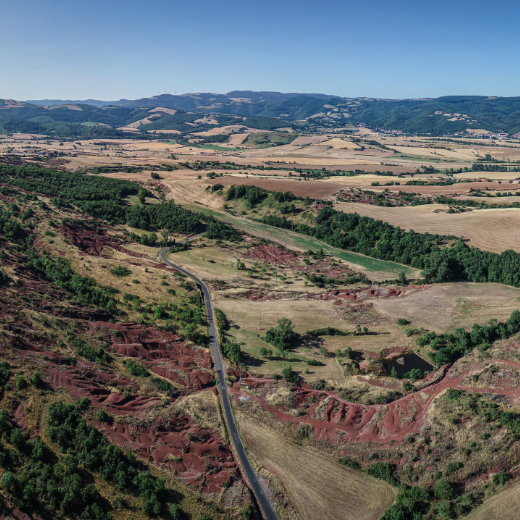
column 252, row 194
column 11, row 228
column 85, row 350
column 84, row 289
column 218, row 230
column 35, row 476
column 230, row 349
column 282, row 337
column 163, row 216
column 449, row 347
column 82, row 441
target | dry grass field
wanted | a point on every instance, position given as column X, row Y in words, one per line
column 444, row 307
column 490, row 229
column 461, row 154
column 318, row 487
column 505, row 505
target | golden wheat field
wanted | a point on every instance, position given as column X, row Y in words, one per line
column 490, row 229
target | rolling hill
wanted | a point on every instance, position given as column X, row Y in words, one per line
column 444, row 115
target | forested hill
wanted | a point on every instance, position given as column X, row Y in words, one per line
column 268, row 111
column 88, row 121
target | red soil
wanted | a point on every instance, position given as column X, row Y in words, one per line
column 277, row 255
column 343, row 421
column 92, row 241
column 338, row 297
column 197, row 456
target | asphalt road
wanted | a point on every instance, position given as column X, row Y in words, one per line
column 251, row 476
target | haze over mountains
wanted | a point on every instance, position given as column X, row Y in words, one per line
column 294, row 111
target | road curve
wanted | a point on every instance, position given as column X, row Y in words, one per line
column 251, row 476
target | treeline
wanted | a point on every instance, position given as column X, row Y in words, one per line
column 449, row 347
column 479, row 167
column 439, row 260
column 229, row 348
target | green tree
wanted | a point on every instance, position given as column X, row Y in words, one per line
column 36, row 379
column 443, row 489
column 290, row 376
column 20, row 382
column 282, row 336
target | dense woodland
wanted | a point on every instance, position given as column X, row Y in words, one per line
column 105, row 198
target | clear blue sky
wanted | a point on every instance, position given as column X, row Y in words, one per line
column 114, row 49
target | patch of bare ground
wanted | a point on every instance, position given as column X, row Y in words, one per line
column 319, row 488
column 489, row 230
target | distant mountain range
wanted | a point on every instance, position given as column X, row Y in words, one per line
column 264, row 110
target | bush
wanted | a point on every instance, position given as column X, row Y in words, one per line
column 120, row 271
column 5, row 372
column 499, row 478
column 453, row 394
column 443, row 489
column 290, row 376
column 384, row 471
column 136, row 369
column 101, row 415
column 36, row 379
column 319, row 384
column 83, row 403
column 20, row 382
column 314, row 363
column 350, row 463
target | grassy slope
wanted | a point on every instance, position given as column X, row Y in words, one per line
column 295, row 240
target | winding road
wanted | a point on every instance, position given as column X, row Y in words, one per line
column 251, row 475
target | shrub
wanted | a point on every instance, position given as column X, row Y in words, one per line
column 290, row 376
column 443, row 489
column 101, row 415
column 120, row 271
column 384, row 471
column 499, row 478
column 452, row 467
column 36, row 379
column 136, row 369
column 453, row 394
column 20, row 382
column 314, row 363
column 83, row 403
column 350, row 463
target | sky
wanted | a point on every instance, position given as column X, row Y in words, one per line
column 113, row 49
